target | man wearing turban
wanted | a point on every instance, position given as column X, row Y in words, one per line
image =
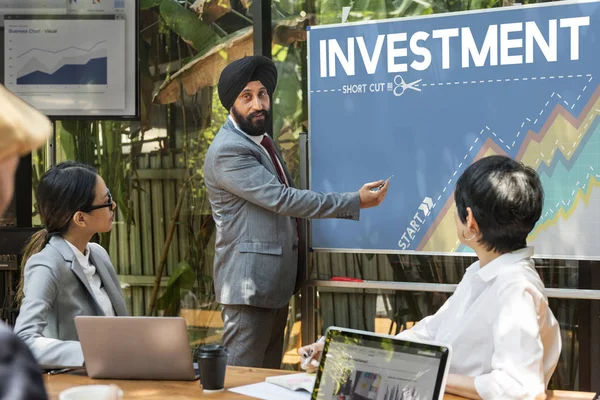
column 255, row 207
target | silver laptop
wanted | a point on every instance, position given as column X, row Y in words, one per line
column 363, row 365
column 156, row 348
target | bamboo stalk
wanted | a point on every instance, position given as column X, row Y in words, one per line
column 167, row 245
column 176, row 212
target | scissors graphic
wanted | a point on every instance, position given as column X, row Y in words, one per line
column 400, row 84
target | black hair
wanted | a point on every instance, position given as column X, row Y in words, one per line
column 506, row 198
column 63, row 190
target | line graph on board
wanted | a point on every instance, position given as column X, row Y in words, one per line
column 73, row 65
column 565, row 153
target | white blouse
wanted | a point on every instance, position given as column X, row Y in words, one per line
column 500, row 327
column 94, row 280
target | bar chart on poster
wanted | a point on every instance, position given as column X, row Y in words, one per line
column 54, row 62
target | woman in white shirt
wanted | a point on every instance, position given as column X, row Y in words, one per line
column 64, row 275
column 506, row 341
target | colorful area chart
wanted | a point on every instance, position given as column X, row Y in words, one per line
column 566, row 155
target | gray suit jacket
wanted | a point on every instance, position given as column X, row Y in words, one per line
column 256, row 248
column 56, row 291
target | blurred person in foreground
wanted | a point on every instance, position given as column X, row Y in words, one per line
column 22, row 129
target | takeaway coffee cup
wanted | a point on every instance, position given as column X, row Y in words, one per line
column 212, row 360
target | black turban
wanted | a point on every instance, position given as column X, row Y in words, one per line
column 236, row 76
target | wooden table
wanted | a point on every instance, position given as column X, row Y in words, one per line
column 235, row 376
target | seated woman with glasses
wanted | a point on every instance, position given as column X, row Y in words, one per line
column 64, row 275
column 505, row 339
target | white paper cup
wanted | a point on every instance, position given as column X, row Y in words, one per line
column 92, row 392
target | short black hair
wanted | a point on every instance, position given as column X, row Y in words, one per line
column 506, row 198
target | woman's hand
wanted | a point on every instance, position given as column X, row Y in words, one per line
column 311, row 356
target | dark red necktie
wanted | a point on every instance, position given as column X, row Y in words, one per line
column 268, row 145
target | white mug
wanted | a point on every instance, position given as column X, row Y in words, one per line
column 92, row 392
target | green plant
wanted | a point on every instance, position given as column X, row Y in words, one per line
column 198, row 220
column 100, row 144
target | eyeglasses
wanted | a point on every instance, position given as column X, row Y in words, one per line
column 108, row 204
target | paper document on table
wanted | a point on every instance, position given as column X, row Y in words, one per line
column 302, row 381
column 268, row 391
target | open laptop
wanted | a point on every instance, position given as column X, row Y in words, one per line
column 362, row 365
column 156, row 348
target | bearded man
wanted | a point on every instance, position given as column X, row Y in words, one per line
column 255, row 207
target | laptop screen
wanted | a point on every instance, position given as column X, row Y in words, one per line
column 364, row 366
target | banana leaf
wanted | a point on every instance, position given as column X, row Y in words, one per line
column 181, row 280
column 146, row 4
column 187, row 25
column 204, row 69
column 211, row 10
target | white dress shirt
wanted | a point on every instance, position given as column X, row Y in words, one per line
column 500, row 327
column 258, row 140
column 94, row 280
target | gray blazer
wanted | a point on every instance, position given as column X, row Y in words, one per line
column 256, row 248
column 56, row 291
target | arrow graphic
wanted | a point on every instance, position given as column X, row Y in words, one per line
column 426, row 206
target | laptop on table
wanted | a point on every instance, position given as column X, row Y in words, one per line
column 362, row 365
column 156, row 348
